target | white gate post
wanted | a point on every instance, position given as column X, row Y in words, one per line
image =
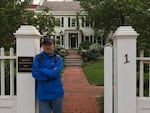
column 125, row 70
column 27, row 45
column 108, row 79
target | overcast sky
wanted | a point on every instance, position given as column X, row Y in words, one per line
column 37, row 1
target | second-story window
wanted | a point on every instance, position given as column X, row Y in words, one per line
column 86, row 22
column 68, row 21
column 57, row 20
column 73, row 22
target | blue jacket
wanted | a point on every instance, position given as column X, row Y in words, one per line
column 47, row 72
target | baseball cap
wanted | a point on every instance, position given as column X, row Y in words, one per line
column 47, row 41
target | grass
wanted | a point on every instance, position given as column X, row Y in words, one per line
column 94, row 71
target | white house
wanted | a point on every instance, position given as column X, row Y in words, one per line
column 73, row 27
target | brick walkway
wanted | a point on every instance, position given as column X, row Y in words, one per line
column 79, row 95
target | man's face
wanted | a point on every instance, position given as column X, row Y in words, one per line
column 48, row 48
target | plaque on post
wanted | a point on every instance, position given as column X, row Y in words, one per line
column 25, row 64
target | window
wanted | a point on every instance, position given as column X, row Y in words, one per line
column 58, row 40
column 87, row 38
column 87, row 22
column 91, row 38
column 82, row 38
column 62, row 40
column 99, row 40
column 73, row 22
column 62, row 21
column 82, row 21
column 94, row 39
column 57, row 20
column 68, row 21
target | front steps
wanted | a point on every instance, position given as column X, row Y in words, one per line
column 73, row 59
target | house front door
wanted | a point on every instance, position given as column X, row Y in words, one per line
column 73, row 40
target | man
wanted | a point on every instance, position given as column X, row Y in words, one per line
column 46, row 69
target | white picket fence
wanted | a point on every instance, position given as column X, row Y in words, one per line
column 7, row 87
column 17, row 89
column 143, row 101
column 143, row 61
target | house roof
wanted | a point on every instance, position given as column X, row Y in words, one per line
column 63, row 6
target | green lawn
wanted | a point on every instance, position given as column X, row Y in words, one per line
column 95, row 72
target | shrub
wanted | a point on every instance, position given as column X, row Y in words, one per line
column 94, row 51
column 61, row 51
column 84, row 45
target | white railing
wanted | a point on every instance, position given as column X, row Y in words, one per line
column 10, row 72
column 143, row 100
column 142, row 62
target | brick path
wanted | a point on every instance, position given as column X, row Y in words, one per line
column 79, row 95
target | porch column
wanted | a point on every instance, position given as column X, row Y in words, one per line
column 79, row 39
column 66, row 38
column 27, row 45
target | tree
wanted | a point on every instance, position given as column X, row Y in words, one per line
column 42, row 20
column 110, row 14
column 11, row 19
column 139, row 19
column 13, row 13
